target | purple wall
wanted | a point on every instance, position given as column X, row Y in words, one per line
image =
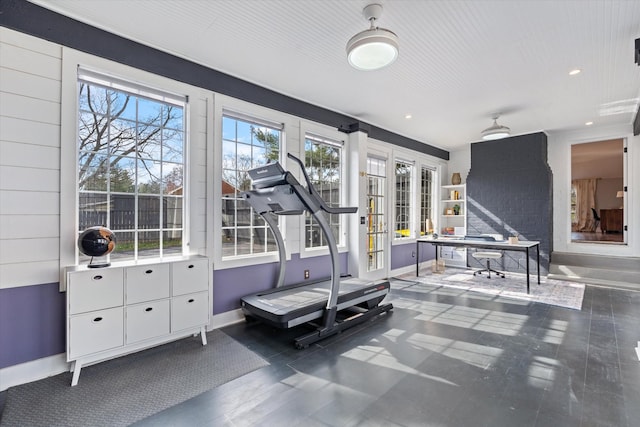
column 403, row 255
column 32, row 318
column 231, row 284
column 32, row 323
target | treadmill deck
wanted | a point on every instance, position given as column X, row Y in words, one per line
column 292, row 305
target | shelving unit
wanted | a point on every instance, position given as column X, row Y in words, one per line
column 126, row 307
column 453, row 224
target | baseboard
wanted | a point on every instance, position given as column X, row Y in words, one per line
column 53, row 365
column 227, row 318
column 403, row 270
column 33, row 371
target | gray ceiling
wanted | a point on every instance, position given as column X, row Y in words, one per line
column 460, row 61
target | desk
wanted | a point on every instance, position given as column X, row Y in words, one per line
column 611, row 220
column 522, row 246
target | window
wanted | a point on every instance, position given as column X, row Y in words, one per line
column 426, row 201
column 246, row 143
column 323, row 162
column 131, row 165
column 403, row 210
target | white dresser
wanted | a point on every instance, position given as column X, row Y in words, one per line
column 128, row 307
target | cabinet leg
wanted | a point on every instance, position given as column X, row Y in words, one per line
column 203, row 335
column 77, row 366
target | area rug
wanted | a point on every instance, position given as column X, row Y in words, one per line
column 550, row 291
column 122, row 391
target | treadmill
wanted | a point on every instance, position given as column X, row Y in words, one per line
column 330, row 305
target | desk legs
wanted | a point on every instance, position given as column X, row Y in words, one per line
column 417, row 258
column 527, row 270
column 538, row 260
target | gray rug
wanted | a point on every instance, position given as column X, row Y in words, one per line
column 456, row 280
column 122, row 391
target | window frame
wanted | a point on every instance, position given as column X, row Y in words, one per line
column 251, row 227
column 331, row 134
column 139, row 92
column 242, row 108
column 418, row 161
column 196, row 239
column 411, row 198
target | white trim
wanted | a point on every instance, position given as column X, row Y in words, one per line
column 71, row 60
column 45, row 367
column 290, row 129
column 33, row 370
column 330, row 136
column 225, row 319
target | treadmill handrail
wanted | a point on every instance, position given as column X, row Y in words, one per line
column 312, row 190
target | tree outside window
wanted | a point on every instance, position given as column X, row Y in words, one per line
column 131, row 170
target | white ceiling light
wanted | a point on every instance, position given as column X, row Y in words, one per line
column 495, row 131
column 374, row 48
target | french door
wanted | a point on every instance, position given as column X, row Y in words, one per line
column 377, row 240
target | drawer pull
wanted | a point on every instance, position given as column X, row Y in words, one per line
column 191, row 266
column 98, row 277
column 191, row 300
column 148, row 309
column 97, row 319
column 148, row 272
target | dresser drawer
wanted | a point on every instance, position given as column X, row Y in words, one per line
column 146, row 283
column 96, row 331
column 95, row 289
column 189, row 311
column 190, row 276
column 147, row 320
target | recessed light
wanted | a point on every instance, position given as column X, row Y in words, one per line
column 408, row 116
column 575, row 71
column 588, row 123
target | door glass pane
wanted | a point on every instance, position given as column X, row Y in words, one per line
column 376, row 221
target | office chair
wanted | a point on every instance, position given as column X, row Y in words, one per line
column 488, row 255
column 596, row 219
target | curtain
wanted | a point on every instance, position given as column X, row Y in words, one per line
column 585, row 200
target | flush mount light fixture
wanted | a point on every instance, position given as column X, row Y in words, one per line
column 575, row 72
column 495, row 131
column 374, row 48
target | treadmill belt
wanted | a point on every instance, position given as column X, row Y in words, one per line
column 283, row 303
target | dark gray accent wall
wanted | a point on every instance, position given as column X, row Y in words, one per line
column 509, row 192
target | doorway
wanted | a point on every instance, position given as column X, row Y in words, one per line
column 598, row 190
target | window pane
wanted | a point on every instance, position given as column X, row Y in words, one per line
column 92, row 172
column 125, row 246
column 173, row 118
column 150, row 112
column 120, row 183
column 122, row 138
column 148, row 212
column 93, row 209
column 122, row 175
column 94, row 99
column 322, row 162
column 403, row 211
column 172, row 146
column 149, row 177
column 173, row 179
column 172, row 242
column 123, row 212
column 172, row 214
column 91, row 135
column 148, row 244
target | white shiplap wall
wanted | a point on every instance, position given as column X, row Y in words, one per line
column 36, row 108
column 30, row 75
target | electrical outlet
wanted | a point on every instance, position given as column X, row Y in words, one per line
column 306, row 274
